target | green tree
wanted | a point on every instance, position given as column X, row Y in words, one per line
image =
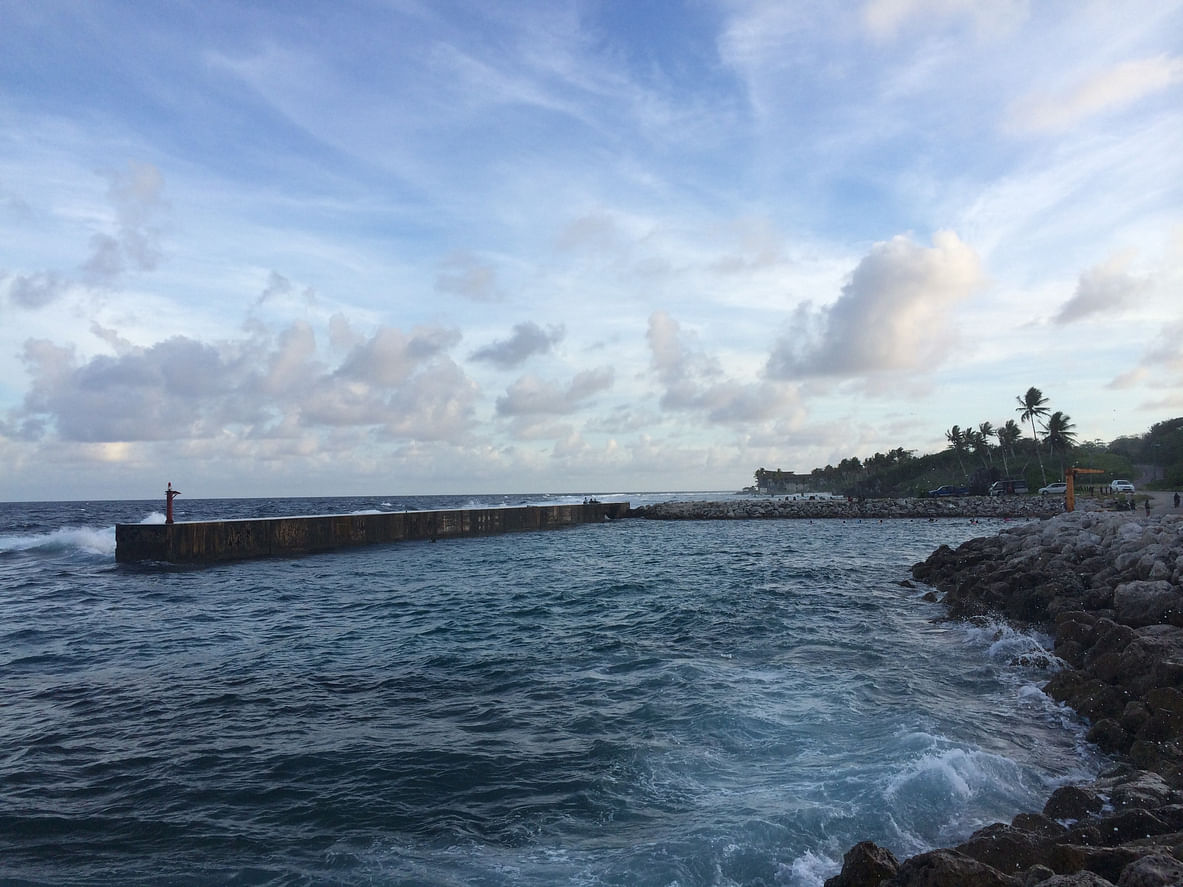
column 981, row 442
column 1008, row 435
column 1059, row 436
column 957, row 444
column 1033, row 405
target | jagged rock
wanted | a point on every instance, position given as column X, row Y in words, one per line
column 1108, row 862
column 1148, row 602
column 1037, row 874
column 1039, row 824
column 866, row 864
column 878, row 509
column 1072, row 802
column 1155, row 870
column 1142, row 789
column 1109, row 735
column 1005, row 847
column 948, row 868
column 1130, row 825
column 1079, row 879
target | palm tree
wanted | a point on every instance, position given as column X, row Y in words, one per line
column 1008, row 435
column 957, row 444
column 982, row 442
column 1032, row 405
column 1058, row 435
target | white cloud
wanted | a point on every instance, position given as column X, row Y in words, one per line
column 885, row 18
column 1111, row 89
column 390, row 356
column 531, row 395
column 184, row 389
column 892, row 315
column 693, row 381
column 1104, row 288
column 136, row 195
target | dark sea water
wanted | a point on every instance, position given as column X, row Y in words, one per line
column 632, row 703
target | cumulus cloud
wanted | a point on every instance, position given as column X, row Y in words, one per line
column 527, row 340
column 463, row 274
column 893, row 314
column 136, row 195
column 530, row 395
column 185, row 389
column 693, row 380
column 1105, row 287
column 280, row 289
column 1114, row 88
column 390, row 356
column 35, row 290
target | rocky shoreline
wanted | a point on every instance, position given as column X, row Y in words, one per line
column 803, row 507
column 1109, row 587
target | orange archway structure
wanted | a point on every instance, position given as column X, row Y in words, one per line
column 1070, row 482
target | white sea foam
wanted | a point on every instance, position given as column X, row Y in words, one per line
column 808, row 870
column 1009, row 646
column 85, row 539
column 153, row 517
column 955, row 772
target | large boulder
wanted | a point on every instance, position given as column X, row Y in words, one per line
column 948, row 868
column 1148, row 602
column 1154, row 870
column 866, row 864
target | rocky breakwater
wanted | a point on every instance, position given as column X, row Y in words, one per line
column 850, row 509
column 1110, row 588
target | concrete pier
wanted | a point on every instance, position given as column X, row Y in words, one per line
column 229, row 540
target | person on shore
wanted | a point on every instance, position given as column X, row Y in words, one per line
column 1148, row 506
column 1176, row 499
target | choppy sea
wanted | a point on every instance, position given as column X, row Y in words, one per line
column 629, row 703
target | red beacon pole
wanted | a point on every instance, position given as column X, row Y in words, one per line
column 169, row 494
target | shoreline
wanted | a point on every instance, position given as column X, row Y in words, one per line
column 802, row 507
column 1108, row 586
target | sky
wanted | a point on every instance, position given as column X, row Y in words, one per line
column 383, row 247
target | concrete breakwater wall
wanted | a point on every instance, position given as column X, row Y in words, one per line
column 211, row 541
column 752, row 509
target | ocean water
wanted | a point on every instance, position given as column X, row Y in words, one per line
column 632, row 703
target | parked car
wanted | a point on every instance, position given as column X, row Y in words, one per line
column 1121, row 486
column 1011, row 486
column 1053, row 489
column 949, row 490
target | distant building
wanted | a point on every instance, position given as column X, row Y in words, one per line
column 779, row 481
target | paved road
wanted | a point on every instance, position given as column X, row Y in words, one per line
column 1162, row 503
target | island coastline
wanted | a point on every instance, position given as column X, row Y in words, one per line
column 1109, row 588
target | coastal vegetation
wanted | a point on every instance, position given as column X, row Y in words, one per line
column 980, row 453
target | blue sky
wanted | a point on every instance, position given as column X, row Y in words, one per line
column 391, row 246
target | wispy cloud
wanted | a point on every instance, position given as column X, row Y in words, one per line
column 685, row 229
column 1099, row 92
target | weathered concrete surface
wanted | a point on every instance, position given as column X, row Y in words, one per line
column 210, row 541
